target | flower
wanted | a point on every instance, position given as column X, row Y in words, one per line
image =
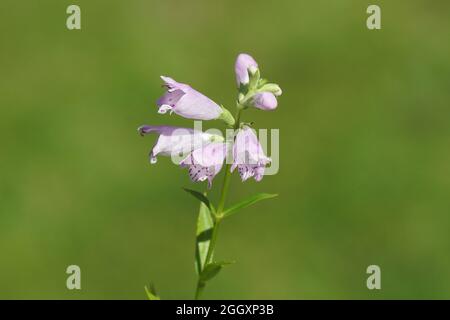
column 205, row 162
column 176, row 141
column 187, row 102
column 244, row 64
column 248, row 155
column 264, row 101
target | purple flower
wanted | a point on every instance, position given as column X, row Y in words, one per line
column 264, row 101
column 175, row 141
column 248, row 155
column 205, row 162
column 187, row 102
column 244, row 63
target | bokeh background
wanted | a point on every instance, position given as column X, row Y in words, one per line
column 364, row 154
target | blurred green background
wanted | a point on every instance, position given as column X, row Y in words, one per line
column 364, row 148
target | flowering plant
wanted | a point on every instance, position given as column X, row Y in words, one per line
column 203, row 153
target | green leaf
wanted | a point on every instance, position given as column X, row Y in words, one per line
column 212, row 269
column 247, row 202
column 151, row 294
column 203, row 236
column 200, row 196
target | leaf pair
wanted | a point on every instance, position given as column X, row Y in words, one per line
column 206, row 271
column 233, row 209
column 205, row 225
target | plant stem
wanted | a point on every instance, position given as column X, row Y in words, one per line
column 218, row 217
column 225, row 187
column 226, row 179
column 199, row 290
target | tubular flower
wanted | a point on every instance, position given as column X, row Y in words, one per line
column 248, row 155
column 205, row 163
column 187, row 102
column 176, row 141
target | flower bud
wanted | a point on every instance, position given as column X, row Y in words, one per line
column 264, row 101
column 244, row 64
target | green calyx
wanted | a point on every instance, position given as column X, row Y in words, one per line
column 271, row 87
column 227, row 117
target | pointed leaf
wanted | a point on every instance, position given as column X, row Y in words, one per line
column 203, row 198
column 212, row 269
column 151, row 294
column 247, row 202
column 203, row 236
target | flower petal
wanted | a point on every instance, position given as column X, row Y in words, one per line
column 205, row 162
column 164, row 108
column 170, row 98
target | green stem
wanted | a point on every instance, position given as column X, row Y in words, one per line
column 225, row 187
column 226, row 179
column 218, row 217
column 212, row 244
column 199, row 290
